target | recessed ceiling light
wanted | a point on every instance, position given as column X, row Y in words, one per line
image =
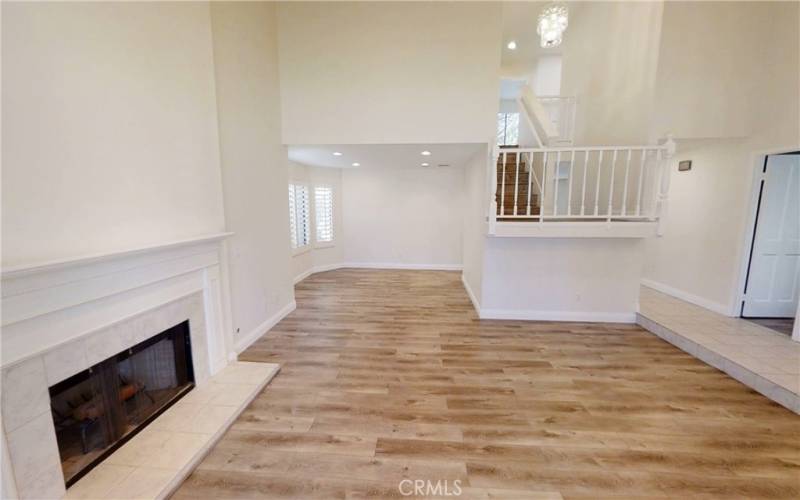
column 512, row 45
column 336, row 153
column 426, row 164
column 426, row 153
column 356, row 164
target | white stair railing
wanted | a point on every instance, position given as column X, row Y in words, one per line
column 610, row 184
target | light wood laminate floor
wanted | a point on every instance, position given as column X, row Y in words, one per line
column 389, row 375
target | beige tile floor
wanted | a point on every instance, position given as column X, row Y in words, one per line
column 155, row 461
column 731, row 344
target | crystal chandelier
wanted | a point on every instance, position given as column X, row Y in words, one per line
column 552, row 22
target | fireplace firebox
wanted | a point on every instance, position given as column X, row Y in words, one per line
column 97, row 410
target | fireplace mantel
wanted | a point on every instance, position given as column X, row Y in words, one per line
column 60, row 316
column 51, row 303
column 54, row 265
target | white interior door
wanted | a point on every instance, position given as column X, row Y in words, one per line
column 772, row 282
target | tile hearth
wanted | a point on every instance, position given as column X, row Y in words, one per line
column 764, row 360
column 155, row 461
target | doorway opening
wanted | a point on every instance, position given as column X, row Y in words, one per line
column 772, row 281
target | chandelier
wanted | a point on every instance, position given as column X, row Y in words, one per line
column 552, row 22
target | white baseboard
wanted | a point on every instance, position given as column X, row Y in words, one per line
column 392, row 265
column 326, row 267
column 369, row 265
column 314, row 270
column 475, row 302
column 532, row 315
column 256, row 333
column 688, row 297
column 581, row 316
column 300, row 277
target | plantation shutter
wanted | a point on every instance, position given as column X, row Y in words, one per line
column 323, row 204
column 292, row 217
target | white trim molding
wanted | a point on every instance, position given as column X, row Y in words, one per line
column 533, row 315
column 256, row 333
column 758, row 159
column 393, row 265
column 369, row 265
column 574, row 229
column 305, row 274
column 472, row 297
column 47, row 305
column 314, row 270
column 688, row 297
column 568, row 316
column 53, row 265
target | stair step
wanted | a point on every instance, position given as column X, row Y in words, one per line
column 534, row 211
column 520, row 197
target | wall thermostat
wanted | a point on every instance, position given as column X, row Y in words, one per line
column 684, row 165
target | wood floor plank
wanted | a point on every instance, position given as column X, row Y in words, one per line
column 389, row 376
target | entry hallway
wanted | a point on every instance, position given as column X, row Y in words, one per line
column 388, row 375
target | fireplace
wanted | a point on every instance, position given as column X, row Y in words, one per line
column 100, row 408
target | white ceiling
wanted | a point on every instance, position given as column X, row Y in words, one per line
column 384, row 155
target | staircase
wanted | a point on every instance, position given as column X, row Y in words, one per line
column 515, row 174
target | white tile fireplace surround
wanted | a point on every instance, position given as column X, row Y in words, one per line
column 59, row 319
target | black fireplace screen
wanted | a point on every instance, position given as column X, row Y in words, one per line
column 99, row 409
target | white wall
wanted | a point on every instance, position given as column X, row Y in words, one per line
column 700, row 256
column 255, row 175
column 609, row 57
column 389, row 72
column 717, row 61
column 547, row 75
column 582, row 279
column 319, row 255
column 705, row 224
column 403, row 216
column 476, row 201
column 110, row 131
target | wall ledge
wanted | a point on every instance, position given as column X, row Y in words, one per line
column 573, row 229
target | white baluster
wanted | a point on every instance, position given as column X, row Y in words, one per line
column 641, row 181
column 597, row 185
column 503, row 187
column 556, row 180
column 611, row 186
column 544, row 188
column 516, row 184
column 530, row 178
column 583, row 187
column 625, row 187
column 569, row 191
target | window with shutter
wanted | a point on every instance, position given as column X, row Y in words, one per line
column 303, row 216
column 299, row 215
column 292, row 217
column 323, row 206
